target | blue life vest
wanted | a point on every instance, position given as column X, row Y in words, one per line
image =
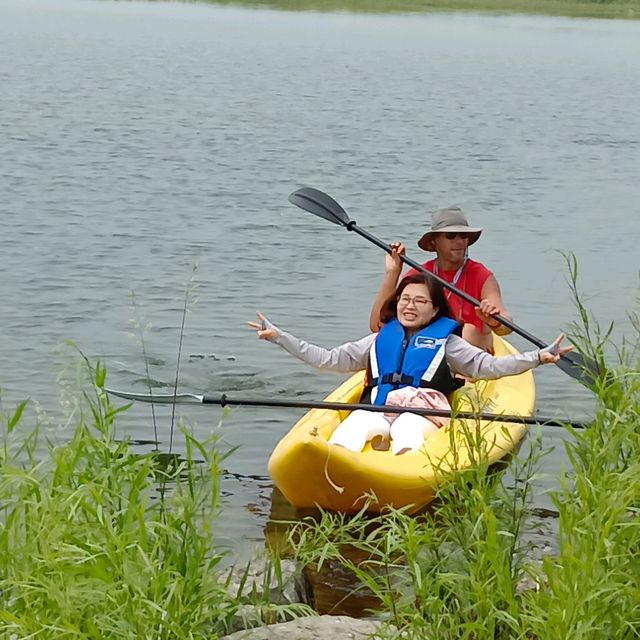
column 396, row 361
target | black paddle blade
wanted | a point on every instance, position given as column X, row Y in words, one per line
column 578, row 367
column 320, row 204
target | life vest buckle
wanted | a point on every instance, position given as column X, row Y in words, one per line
column 396, row 379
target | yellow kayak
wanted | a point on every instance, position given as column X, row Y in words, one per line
column 310, row 472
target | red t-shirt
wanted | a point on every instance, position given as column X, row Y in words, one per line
column 471, row 281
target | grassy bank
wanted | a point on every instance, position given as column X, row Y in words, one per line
column 99, row 541
column 464, row 571
column 624, row 9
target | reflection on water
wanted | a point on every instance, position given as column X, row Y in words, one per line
column 282, row 516
column 335, row 590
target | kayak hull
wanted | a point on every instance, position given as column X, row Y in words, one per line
column 312, row 473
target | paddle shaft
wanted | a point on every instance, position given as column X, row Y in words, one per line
column 224, row 401
column 344, row 406
column 573, row 364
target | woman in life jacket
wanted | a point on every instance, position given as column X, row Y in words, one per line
column 411, row 361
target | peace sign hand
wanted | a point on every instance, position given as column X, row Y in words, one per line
column 263, row 328
column 554, row 351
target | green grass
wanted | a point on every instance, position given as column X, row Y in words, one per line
column 98, row 541
column 463, row 571
column 625, row 9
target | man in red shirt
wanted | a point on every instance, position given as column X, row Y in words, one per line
column 450, row 237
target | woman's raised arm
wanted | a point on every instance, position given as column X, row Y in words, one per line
column 346, row 358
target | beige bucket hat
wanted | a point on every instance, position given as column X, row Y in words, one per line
column 451, row 219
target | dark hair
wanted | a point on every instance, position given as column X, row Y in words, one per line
column 389, row 309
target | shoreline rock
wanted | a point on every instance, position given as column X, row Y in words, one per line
column 313, row 628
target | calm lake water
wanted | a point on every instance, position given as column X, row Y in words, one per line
column 142, row 139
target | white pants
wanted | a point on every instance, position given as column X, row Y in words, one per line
column 407, row 431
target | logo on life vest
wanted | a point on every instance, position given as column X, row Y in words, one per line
column 424, row 342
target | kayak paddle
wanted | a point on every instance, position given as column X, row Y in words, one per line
column 324, row 206
column 224, row 401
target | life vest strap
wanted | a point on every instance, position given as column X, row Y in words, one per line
column 402, row 379
column 396, row 379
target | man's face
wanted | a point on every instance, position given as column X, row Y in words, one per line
column 451, row 246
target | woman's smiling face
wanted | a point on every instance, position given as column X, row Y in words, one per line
column 415, row 309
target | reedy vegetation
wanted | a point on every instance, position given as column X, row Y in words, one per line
column 89, row 547
column 617, row 9
column 97, row 540
column 462, row 570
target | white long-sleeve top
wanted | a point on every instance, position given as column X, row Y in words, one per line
column 461, row 356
